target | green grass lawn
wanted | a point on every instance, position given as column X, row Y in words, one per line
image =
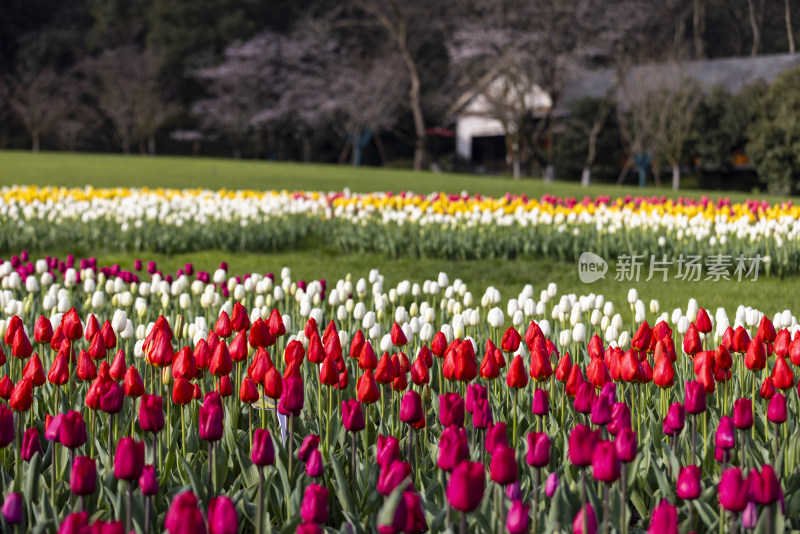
column 769, row 295
column 106, row 170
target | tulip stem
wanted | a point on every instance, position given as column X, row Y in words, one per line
column 623, row 508
column 129, row 507
column 52, row 474
column 260, row 501
column 319, row 405
column 585, row 527
column 291, row 447
column 410, row 444
column 606, row 508
column 516, row 402
column 353, row 454
column 463, row 523
column 183, row 431
column 694, row 439
column 328, row 422
column 775, row 446
column 147, row 514
column 536, row 475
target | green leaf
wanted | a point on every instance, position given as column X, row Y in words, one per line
column 33, row 474
column 343, row 493
column 707, row 514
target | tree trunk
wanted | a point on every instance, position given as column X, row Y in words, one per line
column 151, row 145
column 515, row 162
column 699, row 27
column 381, row 149
column 416, row 111
column 586, row 176
column 676, row 177
column 755, row 24
column 35, row 142
column 549, row 173
column 306, row 149
column 789, row 30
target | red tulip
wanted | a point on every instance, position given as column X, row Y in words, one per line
column 398, row 337
column 703, row 321
column 71, row 325
column 314, row 508
column 238, row 347
column 641, row 339
column 664, row 519
column 620, row 418
column 33, row 371
column 275, row 324
column 30, row 444
column 263, row 451
column 221, row 362
column 356, row 344
column 767, row 390
column 248, row 392
column 732, row 490
column 782, row 375
column 391, row 477
column 782, row 343
column 605, row 464
column 118, row 366
column 211, row 418
column 43, row 330
column 184, row 517
column 97, row 347
column 292, row 398
column 83, row 480
column 310, row 444
column 72, row 430
column 92, row 327
column 223, row 325
column 367, row 360
column 776, row 412
column 691, row 341
column 148, row 482
column 695, row 397
column 202, row 355
column 273, row 384
column 225, row 386
column 582, row 441
column 439, row 344
column 496, row 436
column 689, row 483
column 564, row 368
column 182, row 391
column 367, row 389
column 466, row 486
column 517, row 378
column 411, row 410
column 328, row 374
column 22, row 396
column 540, row 366
column 222, row 516
column 21, row 346
column 133, row 385
column 239, row 319
column 151, row 413
column 756, row 358
column 160, row 351
column 763, row 487
column 419, row 372
column 259, row 336
column 591, row 521
column 538, row 454
column 511, row 340
column 725, row 437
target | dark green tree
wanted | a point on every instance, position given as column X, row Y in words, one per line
column 774, row 146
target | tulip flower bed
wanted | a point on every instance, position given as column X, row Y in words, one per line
column 199, row 403
column 435, row 225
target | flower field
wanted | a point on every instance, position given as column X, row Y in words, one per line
column 397, row 225
column 193, row 401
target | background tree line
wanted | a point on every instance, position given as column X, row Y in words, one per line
column 365, row 80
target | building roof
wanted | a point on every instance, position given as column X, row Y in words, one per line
column 732, row 73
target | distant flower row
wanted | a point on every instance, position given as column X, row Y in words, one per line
column 434, row 225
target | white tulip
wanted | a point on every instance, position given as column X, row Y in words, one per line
column 137, row 349
column 127, row 333
column 375, row 332
column 565, row 337
column 31, row 284
column 443, row 280
column 447, row 330
column 98, row 299
column 426, row 333
column 633, row 295
column 579, row 333
column 518, row 318
column 604, row 323
column 552, row 290
column 544, row 326
column 64, row 305
column 48, row 303
column 654, row 307
column 287, row 321
column 624, row 340
column 596, row 317
column 369, row 320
